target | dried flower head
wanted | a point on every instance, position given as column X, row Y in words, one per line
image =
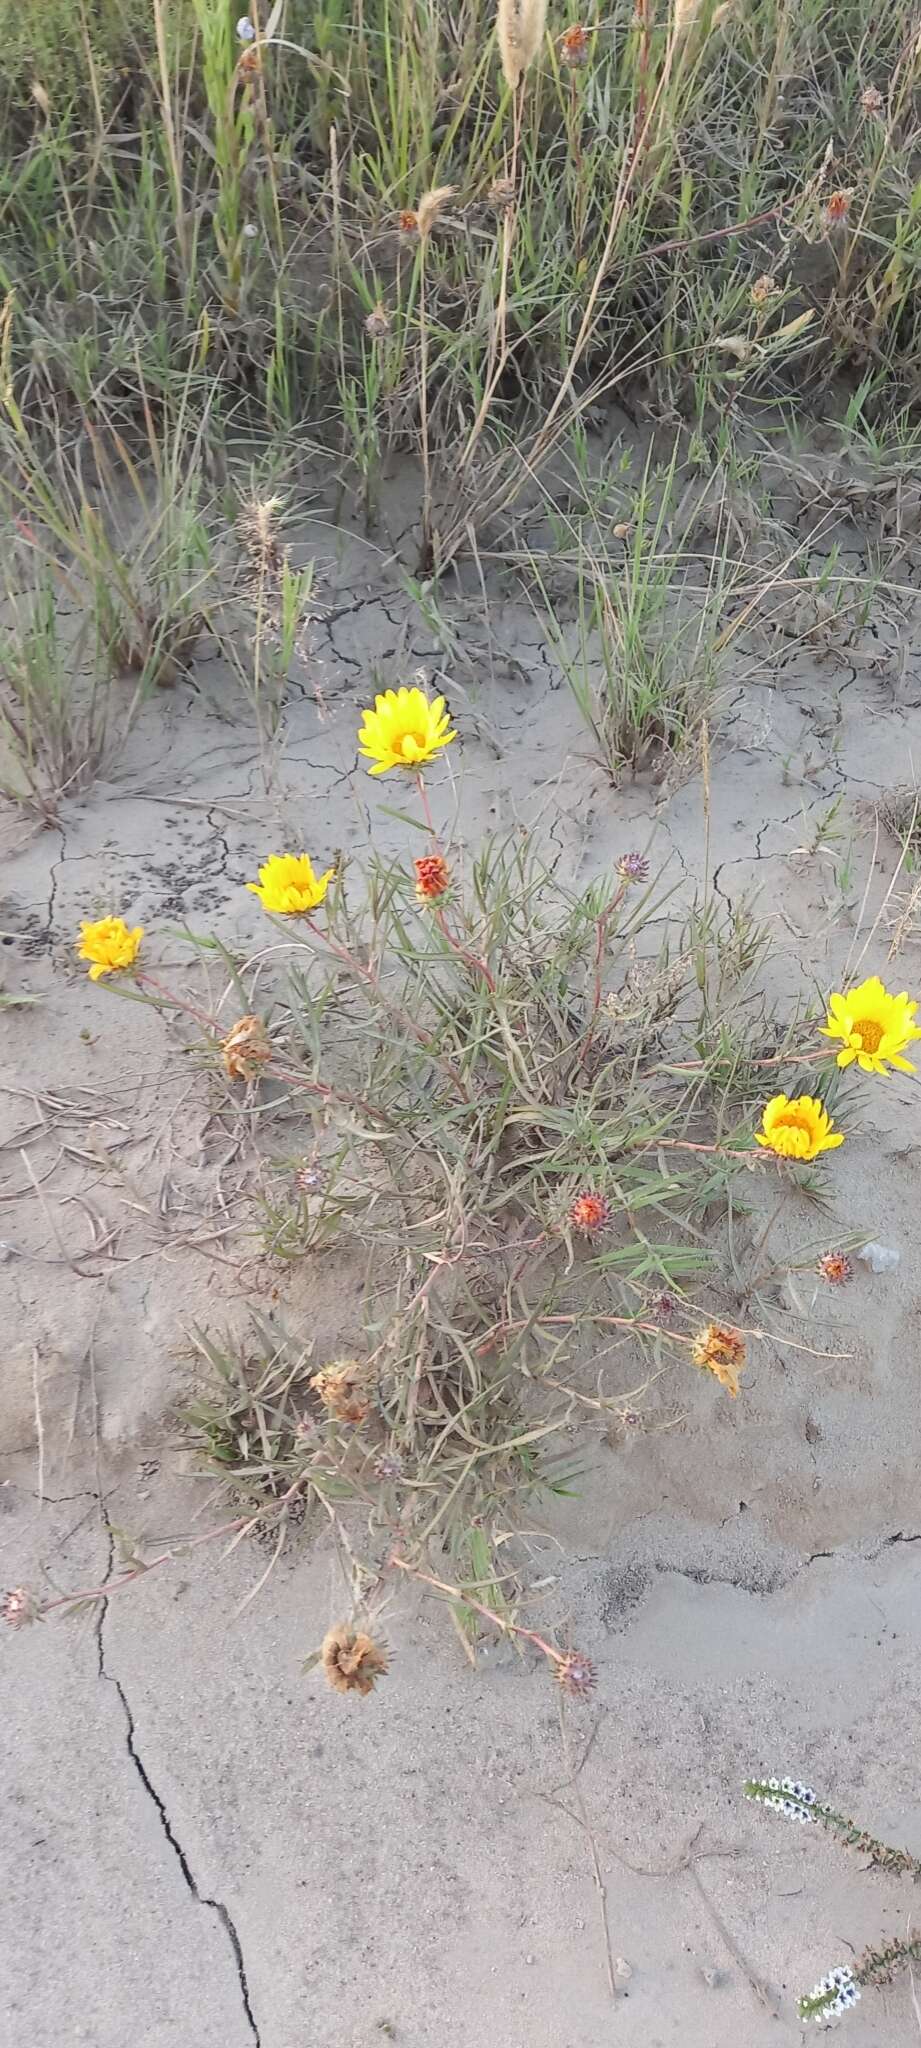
column 378, row 323
column 663, row 1307
column 388, row 1465
column 575, row 46
column 249, row 61
column 576, row 1675
column 245, row 1049
column 720, row 1350
column 352, row 1660
column 501, row 195
column 835, row 1267
column 589, row 1212
column 408, row 222
column 344, row 1387
column 871, row 100
column 432, row 877
column 520, row 28
column 632, row 867
column 763, row 290
column 19, row 1607
column 838, row 205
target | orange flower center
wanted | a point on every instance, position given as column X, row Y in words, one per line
column 869, row 1033
column 791, row 1120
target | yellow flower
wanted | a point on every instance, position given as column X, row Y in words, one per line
column 874, row 1027
column 109, row 944
column 800, row 1129
column 720, row 1349
column 288, row 885
column 404, row 729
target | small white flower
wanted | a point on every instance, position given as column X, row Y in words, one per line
column 250, row 230
column 245, row 30
column 773, row 1784
column 787, row 1785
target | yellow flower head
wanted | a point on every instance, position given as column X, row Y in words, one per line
column 874, row 1027
column 288, row 885
column 800, row 1129
column 720, row 1349
column 110, row 945
column 405, row 729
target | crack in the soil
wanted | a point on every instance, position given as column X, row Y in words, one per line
column 201, row 1899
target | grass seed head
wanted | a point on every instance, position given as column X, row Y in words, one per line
column 520, row 28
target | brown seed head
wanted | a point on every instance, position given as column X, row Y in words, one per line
column 432, row 877
column 351, row 1660
column 377, row 324
column 501, row 195
column 721, row 1350
column 245, row 1049
column 575, row 47
column 576, row 1674
column 763, row 290
column 19, row 1607
column 344, row 1387
column 408, row 222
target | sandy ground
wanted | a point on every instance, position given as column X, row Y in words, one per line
column 205, row 1846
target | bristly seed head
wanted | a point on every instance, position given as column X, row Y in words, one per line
column 433, row 877
column 633, row 867
column 836, row 1268
column 576, row 1675
column 763, row 290
column 589, row 1212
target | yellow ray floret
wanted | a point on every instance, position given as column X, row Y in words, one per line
column 873, row 1026
column 797, row 1129
column 405, row 729
column 109, row 945
column 287, row 884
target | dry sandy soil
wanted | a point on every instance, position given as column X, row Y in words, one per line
column 206, row 1848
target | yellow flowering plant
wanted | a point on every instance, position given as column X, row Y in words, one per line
column 110, row 945
column 800, row 1128
column 404, row 729
column 874, row 1027
column 288, row 885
